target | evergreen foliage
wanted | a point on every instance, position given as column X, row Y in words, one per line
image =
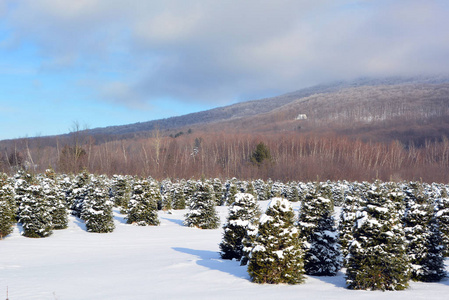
column 261, row 154
column 178, row 198
column 243, row 216
column 417, row 224
column 318, row 232
column 78, row 192
column 97, row 208
column 121, row 191
column 143, row 204
column 202, row 213
column 432, row 267
column 56, row 200
column 442, row 216
column 377, row 257
column 323, row 258
column 276, row 256
column 35, row 213
column 7, row 206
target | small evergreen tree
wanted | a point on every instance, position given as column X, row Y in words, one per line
column 442, row 216
column 97, row 208
column 35, row 213
column 202, row 213
column 78, row 192
column 351, row 205
column 178, row 199
column 261, row 154
column 276, row 256
column 417, row 224
column 56, row 200
column 143, row 205
column 243, row 214
column 432, row 267
column 377, row 258
column 323, row 258
column 7, row 207
column 121, row 191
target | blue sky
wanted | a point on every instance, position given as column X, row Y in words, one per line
column 113, row 62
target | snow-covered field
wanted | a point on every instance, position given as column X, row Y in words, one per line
column 170, row 261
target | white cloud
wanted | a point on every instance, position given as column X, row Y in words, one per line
column 223, row 50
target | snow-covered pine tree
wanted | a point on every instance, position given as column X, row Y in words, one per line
column 243, row 215
column 121, row 191
column 352, row 204
column 443, row 218
column 417, row 224
column 323, row 258
column 260, row 189
column 142, row 209
column 276, row 256
column 202, row 213
column 7, row 206
column 291, row 192
column 317, row 202
column 322, row 251
column 377, row 257
column 277, row 189
column 231, row 191
column 178, row 199
column 35, row 213
column 218, row 191
column 250, row 189
column 432, row 264
column 166, row 194
column 78, row 192
column 56, row 199
column 97, row 208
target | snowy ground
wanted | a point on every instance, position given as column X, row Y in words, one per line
column 165, row 262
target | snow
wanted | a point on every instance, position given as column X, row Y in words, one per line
column 169, row 261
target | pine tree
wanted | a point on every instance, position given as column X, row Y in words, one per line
column 121, row 191
column 276, row 256
column 178, row 199
column 352, row 204
column 321, row 248
column 442, row 216
column 432, row 267
column 377, row 258
column 7, row 207
column 56, row 200
column 78, row 192
column 218, row 191
column 202, row 213
column 323, row 258
column 417, row 219
column 97, row 208
column 35, row 213
column 243, row 214
column 143, row 205
column 166, row 192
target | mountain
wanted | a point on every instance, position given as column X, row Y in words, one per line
column 343, row 101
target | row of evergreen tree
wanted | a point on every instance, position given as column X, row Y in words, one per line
column 387, row 235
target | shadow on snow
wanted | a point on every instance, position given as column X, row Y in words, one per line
column 212, row 261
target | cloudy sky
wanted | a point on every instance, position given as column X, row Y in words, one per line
column 112, row 62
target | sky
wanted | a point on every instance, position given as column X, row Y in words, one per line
column 99, row 63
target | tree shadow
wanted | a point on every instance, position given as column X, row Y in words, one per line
column 80, row 223
column 119, row 217
column 212, row 261
column 338, row 280
column 176, row 221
